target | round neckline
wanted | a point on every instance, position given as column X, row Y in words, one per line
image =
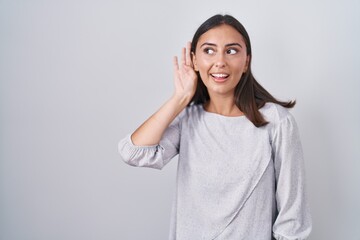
column 220, row 115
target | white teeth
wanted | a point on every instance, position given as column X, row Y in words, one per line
column 219, row 75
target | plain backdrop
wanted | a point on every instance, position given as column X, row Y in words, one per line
column 76, row 76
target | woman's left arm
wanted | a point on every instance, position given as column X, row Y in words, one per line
column 293, row 220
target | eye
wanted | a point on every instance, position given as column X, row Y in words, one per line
column 209, row 51
column 231, row 51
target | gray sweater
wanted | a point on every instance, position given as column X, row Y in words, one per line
column 234, row 181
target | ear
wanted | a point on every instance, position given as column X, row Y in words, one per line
column 194, row 61
column 247, row 63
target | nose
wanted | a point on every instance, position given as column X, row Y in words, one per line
column 220, row 61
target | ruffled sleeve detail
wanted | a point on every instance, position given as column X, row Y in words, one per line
column 141, row 156
column 293, row 220
column 155, row 156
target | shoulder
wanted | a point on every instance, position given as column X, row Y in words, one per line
column 275, row 113
column 281, row 121
column 193, row 110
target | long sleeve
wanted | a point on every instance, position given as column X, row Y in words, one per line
column 293, row 220
column 156, row 156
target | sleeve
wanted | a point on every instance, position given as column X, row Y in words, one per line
column 156, row 156
column 293, row 220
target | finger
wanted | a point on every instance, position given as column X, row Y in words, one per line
column 183, row 58
column 188, row 54
column 175, row 64
column 176, row 73
column 176, row 69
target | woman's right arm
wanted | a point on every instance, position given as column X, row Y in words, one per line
column 143, row 148
column 185, row 80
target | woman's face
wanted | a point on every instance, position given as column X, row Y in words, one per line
column 221, row 58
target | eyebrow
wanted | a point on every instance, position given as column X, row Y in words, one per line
column 226, row 45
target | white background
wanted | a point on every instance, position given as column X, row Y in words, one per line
column 77, row 76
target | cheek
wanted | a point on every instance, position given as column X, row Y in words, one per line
column 203, row 75
column 202, row 58
column 203, row 67
column 202, row 62
column 240, row 65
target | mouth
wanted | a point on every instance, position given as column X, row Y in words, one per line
column 219, row 77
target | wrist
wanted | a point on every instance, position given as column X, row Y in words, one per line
column 182, row 99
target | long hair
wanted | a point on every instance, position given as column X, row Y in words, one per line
column 250, row 96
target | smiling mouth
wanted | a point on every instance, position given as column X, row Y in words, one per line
column 219, row 77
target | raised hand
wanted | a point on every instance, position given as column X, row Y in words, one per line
column 185, row 78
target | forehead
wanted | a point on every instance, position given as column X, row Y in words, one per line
column 221, row 35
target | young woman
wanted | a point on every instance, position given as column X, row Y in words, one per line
column 240, row 167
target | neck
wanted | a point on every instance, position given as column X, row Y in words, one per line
column 223, row 106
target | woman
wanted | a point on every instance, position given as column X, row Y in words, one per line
column 240, row 168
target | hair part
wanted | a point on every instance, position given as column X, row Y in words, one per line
column 249, row 95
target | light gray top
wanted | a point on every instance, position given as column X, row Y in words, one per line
column 234, row 181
